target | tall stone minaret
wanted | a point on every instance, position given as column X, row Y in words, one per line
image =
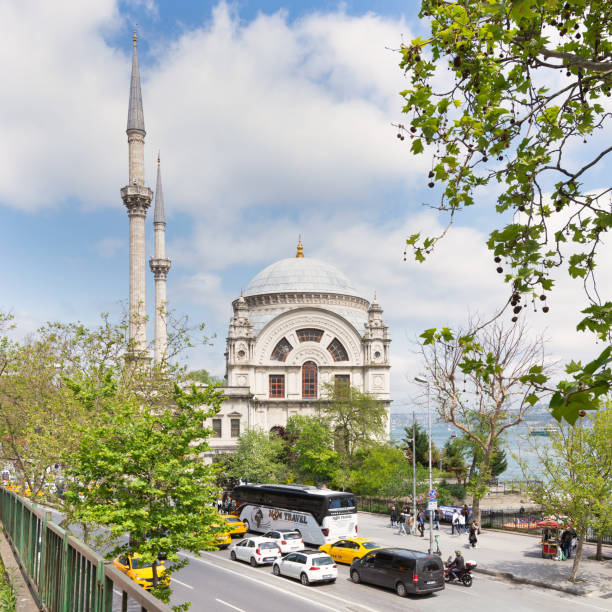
column 137, row 199
column 160, row 266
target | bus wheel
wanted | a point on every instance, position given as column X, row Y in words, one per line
column 246, row 524
column 304, row 579
column 355, row 577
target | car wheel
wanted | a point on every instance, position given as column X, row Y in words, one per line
column 400, row 589
column 467, row 580
column 233, row 555
column 276, row 570
column 246, row 524
column 355, row 577
column 332, row 581
column 253, row 562
column 304, row 579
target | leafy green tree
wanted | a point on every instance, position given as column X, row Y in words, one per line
column 204, row 377
column 453, row 460
column 257, row 458
column 139, row 469
column 484, row 402
column 421, row 449
column 504, row 93
column 574, row 478
column 311, row 451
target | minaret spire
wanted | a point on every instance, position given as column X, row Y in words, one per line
column 137, row 199
column 160, row 266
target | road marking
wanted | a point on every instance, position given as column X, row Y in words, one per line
column 229, row 605
column 298, row 585
column 182, row 583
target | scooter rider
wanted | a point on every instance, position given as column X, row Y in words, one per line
column 458, row 565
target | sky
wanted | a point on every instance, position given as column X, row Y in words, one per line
column 273, row 120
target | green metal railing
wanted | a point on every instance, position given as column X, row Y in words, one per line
column 64, row 574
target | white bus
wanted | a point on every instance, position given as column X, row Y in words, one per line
column 320, row 515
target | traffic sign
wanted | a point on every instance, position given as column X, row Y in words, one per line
column 433, row 495
column 432, row 505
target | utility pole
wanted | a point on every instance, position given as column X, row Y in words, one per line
column 424, row 381
column 413, row 469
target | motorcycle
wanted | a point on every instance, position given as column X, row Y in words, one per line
column 464, row 576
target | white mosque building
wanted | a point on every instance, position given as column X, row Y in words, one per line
column 299, row 324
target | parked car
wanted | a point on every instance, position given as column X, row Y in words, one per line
column 288, row 540
column 406, row 571
column 256, row 551
column 349, row 549
column 141, row 573
column 235, row 525
column 224, row 540
column 307, row 567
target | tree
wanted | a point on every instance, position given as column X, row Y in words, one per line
column 257, row 458
column 453, row 461
column 505, row 92
column 139, row 470
column 421, row 450
column 483, row 402
column 575, row 477
column 310, row 451
column 204, row 377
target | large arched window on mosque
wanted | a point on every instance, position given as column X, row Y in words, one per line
column 308, row 334
column 281, row 350
column 338, row 352
column 309, row 380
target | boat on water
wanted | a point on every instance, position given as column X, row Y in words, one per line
column 537, row 429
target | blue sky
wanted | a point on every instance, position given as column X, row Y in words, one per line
column 273, row 120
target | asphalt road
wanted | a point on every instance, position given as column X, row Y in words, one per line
column 215, row 583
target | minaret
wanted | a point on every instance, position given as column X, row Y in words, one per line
column 160, row 266
column 137, row 199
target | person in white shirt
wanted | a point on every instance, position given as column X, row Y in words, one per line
column 455, row 522
column 462, row 528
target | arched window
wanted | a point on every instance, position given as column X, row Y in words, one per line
column 281, row 350
column 309, row 379
column 338, row 352
column 309, row 334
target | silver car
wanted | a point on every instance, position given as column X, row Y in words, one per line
column 307, row 567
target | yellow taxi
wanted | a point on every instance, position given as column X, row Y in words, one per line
column 224, row 540
column 236, row 526
column 345, row 551
column 141, row 573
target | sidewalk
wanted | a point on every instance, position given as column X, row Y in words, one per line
column 507, row 555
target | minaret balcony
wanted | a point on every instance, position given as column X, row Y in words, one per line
column 136, row 191
column 159, row 267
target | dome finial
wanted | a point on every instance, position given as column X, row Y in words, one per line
column 135, row 38
column 300, row 248
column 375, row 296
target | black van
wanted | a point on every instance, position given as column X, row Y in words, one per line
column 406, row 571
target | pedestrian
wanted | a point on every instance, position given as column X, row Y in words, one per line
column 437, row 516
column 466, row 515
column 401, row 522
column 421, row 523
column 393, row 516
column 462, row 525
column 473, row 531
column 455, row 522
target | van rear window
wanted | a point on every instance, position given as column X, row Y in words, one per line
column 431, row 567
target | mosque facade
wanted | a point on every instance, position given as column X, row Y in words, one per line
column 299, row 325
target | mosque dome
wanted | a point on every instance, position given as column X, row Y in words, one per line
column 300, row 275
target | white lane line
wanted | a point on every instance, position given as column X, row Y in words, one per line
column 229, row 605
column 181, row 583
column 297, row 585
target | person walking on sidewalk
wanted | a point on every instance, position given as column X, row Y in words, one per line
column 473, row 531
column 437, row 515
column 455, row 522
column 421, row 523
column 462, row 526
column 393, row 516
column 401, row 524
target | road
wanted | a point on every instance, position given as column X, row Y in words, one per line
column 215, row 583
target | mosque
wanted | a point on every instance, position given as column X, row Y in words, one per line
column 299, row 324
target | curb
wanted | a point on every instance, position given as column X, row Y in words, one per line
column 572, row 590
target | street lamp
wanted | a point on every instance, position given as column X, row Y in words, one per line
column 413, row 440
column 425, row 382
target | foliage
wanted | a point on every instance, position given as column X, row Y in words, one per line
column 506, row 92
column 310, row 448
column 421, row 450
column 451, row 494
column 257, row 458
column 452, row 458
column 575, row 477
column 483, row 402
column 139, row 469
column 8, row 596
column 204, row 377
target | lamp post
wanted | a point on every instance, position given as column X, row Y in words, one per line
column 413, row 472
column 425, row 382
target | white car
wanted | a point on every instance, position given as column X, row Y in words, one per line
column 257, row 551
column 307, row 566
column 288, row 540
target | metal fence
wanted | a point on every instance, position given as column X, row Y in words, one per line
column 63, row 573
